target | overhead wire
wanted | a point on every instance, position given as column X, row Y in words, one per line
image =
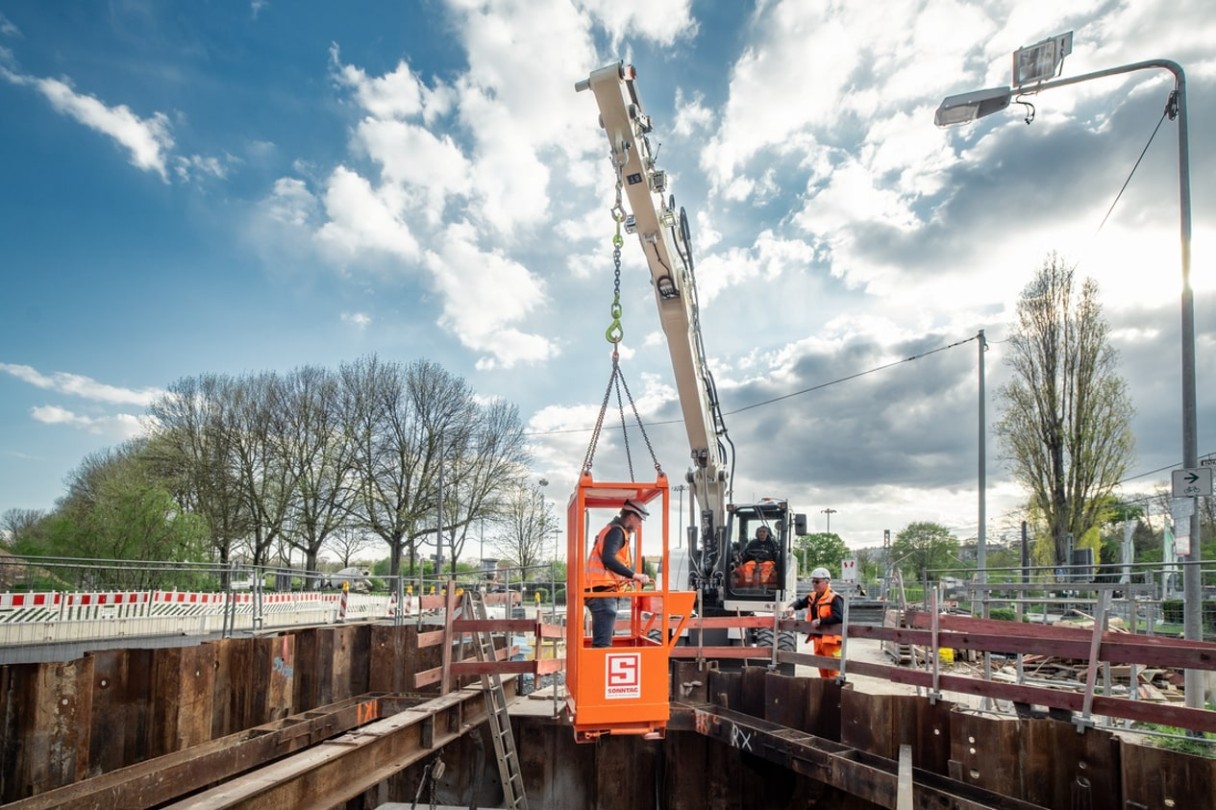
column 792, row 394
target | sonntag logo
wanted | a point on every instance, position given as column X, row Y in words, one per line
column 623, row 676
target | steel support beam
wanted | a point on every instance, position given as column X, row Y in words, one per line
column 165, row 778
column 344, row 767
column 873, row 778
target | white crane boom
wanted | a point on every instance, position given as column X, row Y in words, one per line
column 663, row 234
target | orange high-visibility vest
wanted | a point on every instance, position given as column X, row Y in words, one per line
column 597, row 575
column 821, row 608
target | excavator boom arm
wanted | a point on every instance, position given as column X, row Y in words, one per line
column 664, row 236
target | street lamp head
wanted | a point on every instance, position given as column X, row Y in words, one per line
column 967, row 107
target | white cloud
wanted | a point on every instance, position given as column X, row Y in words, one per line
column 363, row 218
column 291, row 203
column 483, row 294
column 359, row 320
column 7, row 28
column 122, row 426
column 83, row 387
column 426, row 169
column 187, row 168
column 692, row 114
column 148, row 140
column 663, row 23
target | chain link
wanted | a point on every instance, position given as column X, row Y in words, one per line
column 616, row 381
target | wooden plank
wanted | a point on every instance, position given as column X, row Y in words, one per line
column 431, row 638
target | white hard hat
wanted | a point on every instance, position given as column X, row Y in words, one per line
column 635, row 506
column 821, row 573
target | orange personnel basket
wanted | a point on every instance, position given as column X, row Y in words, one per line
column 622, row 689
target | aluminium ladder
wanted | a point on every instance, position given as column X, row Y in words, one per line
column 496, row 708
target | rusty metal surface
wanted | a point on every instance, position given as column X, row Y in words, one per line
column 167, row 777
column 1155, row 777
column 1045, row 761
column 343, row 767
column 866, row 776
column 1139, row 710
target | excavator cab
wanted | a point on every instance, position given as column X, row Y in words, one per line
column 761, row 574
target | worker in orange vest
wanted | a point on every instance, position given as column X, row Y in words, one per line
column 760, row 553
column 824, row 610
column 609, row 570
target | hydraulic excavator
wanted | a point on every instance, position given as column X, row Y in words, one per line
column 623, row 688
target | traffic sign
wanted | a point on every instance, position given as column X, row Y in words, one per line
column 848, row 570
column 1192, row 483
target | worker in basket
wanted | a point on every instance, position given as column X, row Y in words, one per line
column 825, row 611
column 759, row 555
column 609, row 569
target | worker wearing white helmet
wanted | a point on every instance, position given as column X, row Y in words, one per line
column 825, row 612
column 609, row 569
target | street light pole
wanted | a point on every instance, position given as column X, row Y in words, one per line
column 829, row 512
column 981, row 540
column 969, row 106
column 679, row 488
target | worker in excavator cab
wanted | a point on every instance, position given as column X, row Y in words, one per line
column 824, row 610
column 759, row 555
column 609, row 570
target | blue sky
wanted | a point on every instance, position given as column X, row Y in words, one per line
column 236, row 187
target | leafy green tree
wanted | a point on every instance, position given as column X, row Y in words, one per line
column 117, row 509
column 1066, row 425
column 923, row 547
column 821, row 549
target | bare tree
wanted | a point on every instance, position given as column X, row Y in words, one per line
column 348, row 542
column 408, row 425
column 267, row 483
column 1066, row 421
column 524, row 525
column 493, row 455
column 388, row 452
column 16, row 524
column 318, row 459
column 192, row 445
